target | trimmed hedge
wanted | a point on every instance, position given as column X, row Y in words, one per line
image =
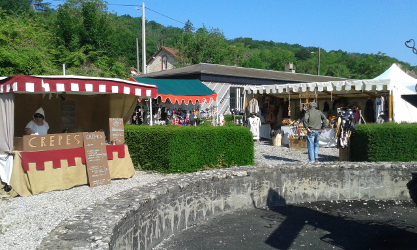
column 384, row 142
column 173, row 149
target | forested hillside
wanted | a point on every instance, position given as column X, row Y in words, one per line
column 36, row 39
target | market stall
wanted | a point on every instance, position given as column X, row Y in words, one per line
column 72, row 104
column 372, row 100
column 177, row 102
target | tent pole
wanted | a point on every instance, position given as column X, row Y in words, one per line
column 150, row 112
column 390, row 106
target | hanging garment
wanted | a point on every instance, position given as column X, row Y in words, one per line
column 369, row 111
column 253, row 106
column 356, row 117
column 386, row 109
column 379, row 110
column 326, row 107
column 254, row 124
column 285, row 109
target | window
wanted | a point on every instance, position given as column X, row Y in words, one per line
column 237, row 98
column 233, row 98
column 164, row 63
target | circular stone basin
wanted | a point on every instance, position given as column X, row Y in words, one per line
column 311, row 225
column 144, row 217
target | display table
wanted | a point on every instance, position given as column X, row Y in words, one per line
column 327, row 139
column 265, row 131
column 33, row 176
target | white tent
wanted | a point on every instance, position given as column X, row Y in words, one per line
column 399, row 77
column 401, row 84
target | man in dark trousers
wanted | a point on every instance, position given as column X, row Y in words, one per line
column 314, row 121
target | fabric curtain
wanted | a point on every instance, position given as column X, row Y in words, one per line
column 6, row 136
column 122, row 106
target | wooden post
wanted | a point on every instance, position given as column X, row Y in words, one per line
column 344, row 153
column 307, row 93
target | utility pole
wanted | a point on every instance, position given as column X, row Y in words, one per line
column 318, row 67
column 143, row 41
column 144, row 60
column 137, row 56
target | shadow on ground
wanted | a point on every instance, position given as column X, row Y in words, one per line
column 346, row 225
column 318, row 225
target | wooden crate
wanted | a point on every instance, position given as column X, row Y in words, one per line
column 296, row 143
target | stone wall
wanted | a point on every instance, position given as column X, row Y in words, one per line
column 141, row 218
column 155, row 65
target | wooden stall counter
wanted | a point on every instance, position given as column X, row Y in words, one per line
column 44, row 171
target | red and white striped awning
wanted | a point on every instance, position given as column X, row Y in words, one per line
column 75, row 84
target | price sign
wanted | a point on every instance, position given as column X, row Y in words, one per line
column 117, row 131
column 96, row 159
column 67, row 115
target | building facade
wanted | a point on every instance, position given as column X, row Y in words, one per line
column 163, row 59
column 229, row 82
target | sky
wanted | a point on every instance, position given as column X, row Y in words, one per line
column 366, row 26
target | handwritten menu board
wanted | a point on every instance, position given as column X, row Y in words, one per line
column 117, row 130
column 96, row 159
column 67, row 115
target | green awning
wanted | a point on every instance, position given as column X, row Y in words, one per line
column 180, row 90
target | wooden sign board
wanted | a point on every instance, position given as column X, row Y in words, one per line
column 34, row 143
column 67, row 115
column 117, row 130
column 96, row 159
column 307, row 95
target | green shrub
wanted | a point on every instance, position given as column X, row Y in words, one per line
column 384, row 142
column 173, row 149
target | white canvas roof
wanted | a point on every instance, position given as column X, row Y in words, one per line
column 399, row 77
column 393, row 82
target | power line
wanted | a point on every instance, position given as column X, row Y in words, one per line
column 129, row 5
column 124, row 5
column 164, row 15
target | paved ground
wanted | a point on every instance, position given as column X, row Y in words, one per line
column 318, row 225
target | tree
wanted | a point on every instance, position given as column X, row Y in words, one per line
column 15, row 6
column 24, row 47
column 188, row 27
column 204, row 46
column 67, row 28
column 337, row 70
column 303, row 54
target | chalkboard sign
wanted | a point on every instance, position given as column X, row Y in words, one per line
column 67, row 115
column 117, row 131
column 96, row 159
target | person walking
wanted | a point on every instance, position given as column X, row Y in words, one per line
column 314, row 121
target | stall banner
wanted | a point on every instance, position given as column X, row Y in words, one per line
column 34, row 143
column 96, row 159
column 306, row 96
column 117, row 131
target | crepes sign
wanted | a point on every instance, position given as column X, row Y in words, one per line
column 34, row 143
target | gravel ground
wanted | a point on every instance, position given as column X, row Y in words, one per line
column 25, row 221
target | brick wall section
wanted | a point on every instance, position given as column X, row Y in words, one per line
column 142, row 217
